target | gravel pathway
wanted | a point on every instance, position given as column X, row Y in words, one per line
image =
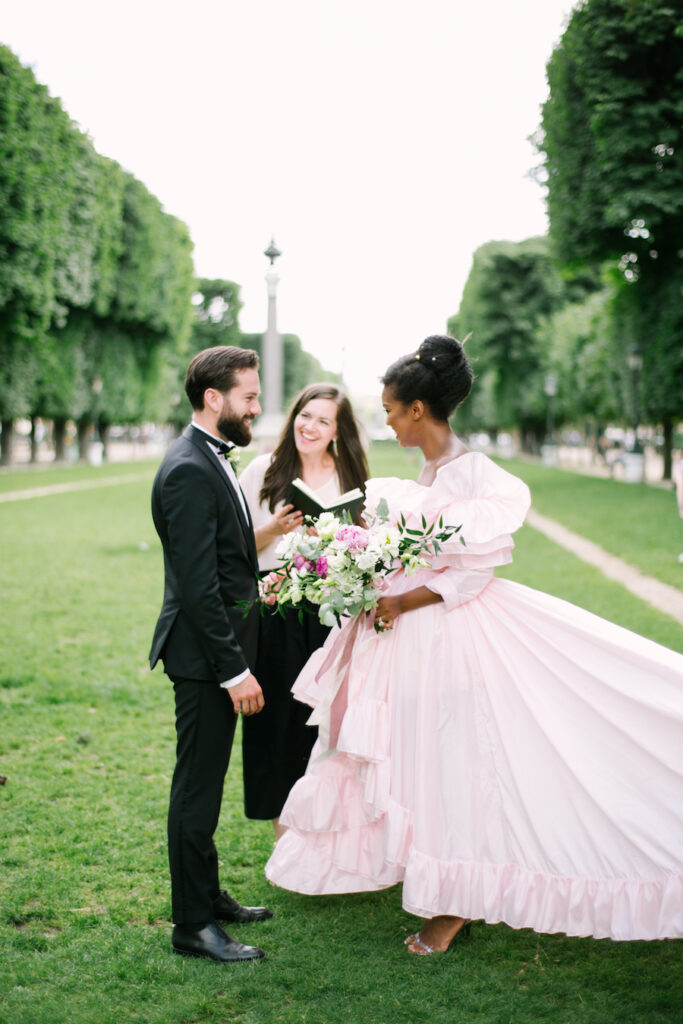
column 663, row 597
column 81, row 485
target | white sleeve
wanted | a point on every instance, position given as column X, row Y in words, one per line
column 458, row 586
column 227, row 684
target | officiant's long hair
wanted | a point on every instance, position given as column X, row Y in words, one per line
column 347, row 451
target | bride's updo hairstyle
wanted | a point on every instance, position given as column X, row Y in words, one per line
column 438, row 374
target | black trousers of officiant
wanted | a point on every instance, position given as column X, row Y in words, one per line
column 277, row 742
column 205, row 727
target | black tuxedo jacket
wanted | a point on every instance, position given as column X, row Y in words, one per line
column 210, row 564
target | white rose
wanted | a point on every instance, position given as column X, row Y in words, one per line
column 327, row 525
column 368, row 559
column 285, row 547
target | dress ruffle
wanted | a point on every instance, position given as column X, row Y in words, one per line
column 471, row 491
column 514, row 758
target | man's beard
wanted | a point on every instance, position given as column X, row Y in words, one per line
column 235, row 429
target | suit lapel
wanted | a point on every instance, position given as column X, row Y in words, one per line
column 195, row 436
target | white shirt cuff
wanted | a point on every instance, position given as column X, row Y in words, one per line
column 227, row 684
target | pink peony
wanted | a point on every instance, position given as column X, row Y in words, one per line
column 354, row 537
column 321, row 567
column 299, row 561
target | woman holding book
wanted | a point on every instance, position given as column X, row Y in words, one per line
column 504, row 754
column 320, row 447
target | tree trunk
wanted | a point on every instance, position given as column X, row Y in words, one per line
column 59, row 435
column 668, row 442
column 34, row 441
column 82, row 428
column 7, row 442
column 104, row 438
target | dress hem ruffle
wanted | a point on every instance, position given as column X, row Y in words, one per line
column 618, row 909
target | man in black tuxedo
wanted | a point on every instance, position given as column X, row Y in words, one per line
column 205, row 642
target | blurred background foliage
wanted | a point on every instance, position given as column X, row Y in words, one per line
column 100, row 309
column 607, row 283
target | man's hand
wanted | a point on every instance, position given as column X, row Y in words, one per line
column 247, row 696
column 269, row 586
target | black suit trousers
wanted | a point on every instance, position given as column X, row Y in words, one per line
column 205, row 726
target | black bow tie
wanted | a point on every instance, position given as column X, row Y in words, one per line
column 222, row 448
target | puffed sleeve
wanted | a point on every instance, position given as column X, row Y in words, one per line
column 472, row 492
column 458, row 586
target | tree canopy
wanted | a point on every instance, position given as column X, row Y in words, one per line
column 612, row 138
column 611, row 134
column 95, row 278
column 510, row 288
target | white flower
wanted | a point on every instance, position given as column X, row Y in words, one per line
column 367, row 559
column 335, row 560
column 327, row 525
column 388, row 540
column 327, row 615
column 412, row 563
column 286, row 545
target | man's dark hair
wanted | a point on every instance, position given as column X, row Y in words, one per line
column 216, row 368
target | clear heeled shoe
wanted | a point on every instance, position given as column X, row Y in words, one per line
column 426, row 950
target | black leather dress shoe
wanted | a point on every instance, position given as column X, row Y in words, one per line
column 212, row 942
column 225, row 908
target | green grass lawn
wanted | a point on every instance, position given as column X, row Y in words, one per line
column 635, row 522
column 87, row 744
column 46, row 475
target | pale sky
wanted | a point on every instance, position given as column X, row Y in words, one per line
column 379, row 141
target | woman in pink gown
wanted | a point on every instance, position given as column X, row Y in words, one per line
column 505, row 755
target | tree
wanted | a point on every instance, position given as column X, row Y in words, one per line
column 95, row 278
column 578, row 352
column 611, row 134
column 215, row 312
column 510, row 288
column 33, row 206
column 217, row 306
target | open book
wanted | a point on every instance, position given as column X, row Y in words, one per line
column 304, row 499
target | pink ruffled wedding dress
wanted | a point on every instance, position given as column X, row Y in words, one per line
column 503, row 754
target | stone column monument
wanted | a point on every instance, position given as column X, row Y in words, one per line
column 270, row 422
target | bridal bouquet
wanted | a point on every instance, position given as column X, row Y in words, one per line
column 341, row 567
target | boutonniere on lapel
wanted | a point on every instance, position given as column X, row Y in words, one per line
column 233, row 457
column 228, row 451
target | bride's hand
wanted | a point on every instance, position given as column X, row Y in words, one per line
column 387, row 611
